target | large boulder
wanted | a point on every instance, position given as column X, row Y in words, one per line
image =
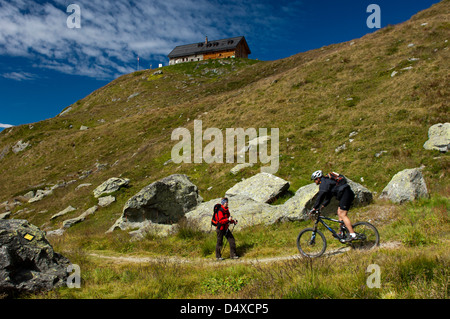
column 406, row 185
column 262, row 187
column 438, row 137
column 28, row 262
column 247, row 211
column 110, row 186
column 305, row 197
column 162, row 202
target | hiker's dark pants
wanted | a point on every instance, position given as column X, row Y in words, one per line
column 230, row 238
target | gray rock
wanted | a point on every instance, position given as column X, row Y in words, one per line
column 70, row 222
column 28, row 263
column 4, row 152
column 56, row 232
column 5, row 215
column 240, row 167
column 363, row 196
column 29, row 195
column 406, row 185
column 254, row 143
column 133, row 95
column 438, row 137
column 247, row 211
column 20, row 146
column 83, row 128
column 380, row 153
column 68, row 209
column 299, row 205
column 162, row 202
column 40, row 194
column 158, row 230
column 340, row 148
column 262, row 187
column 83, row 185
column 110, row 186
column 106, row 201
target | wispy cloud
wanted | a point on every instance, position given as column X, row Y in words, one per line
column 114, row 33
column 19, row 76
column 5, row 125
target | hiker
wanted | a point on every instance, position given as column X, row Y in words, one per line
column 334, row 184
column 223, row 221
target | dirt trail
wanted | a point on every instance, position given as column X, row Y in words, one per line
column 181, row 260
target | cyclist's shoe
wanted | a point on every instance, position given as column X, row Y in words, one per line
column 219, row 258
column 234, row 257
column 349, row 239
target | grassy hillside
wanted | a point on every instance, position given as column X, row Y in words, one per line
column 389, row 87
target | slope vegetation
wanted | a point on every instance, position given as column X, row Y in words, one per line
column 386, row 88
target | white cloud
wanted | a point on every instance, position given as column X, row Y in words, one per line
column 113, row 33
column 18, row 76
column 5, row 125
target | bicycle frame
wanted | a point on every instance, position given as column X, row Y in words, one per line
column 321, row 218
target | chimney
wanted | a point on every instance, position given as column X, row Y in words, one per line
column 206, row 40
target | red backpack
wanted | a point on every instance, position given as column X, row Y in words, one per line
column 215, row 217
column 338, row 178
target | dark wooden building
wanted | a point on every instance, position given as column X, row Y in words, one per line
column 236, row 47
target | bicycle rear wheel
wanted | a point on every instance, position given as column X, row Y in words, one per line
column 311, row 243
column 367, row 234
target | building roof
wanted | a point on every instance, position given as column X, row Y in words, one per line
column 211, row 46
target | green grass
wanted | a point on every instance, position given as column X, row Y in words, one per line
column 316, row 99
column 406, row 272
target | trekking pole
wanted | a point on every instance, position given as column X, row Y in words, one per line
column 228, row 229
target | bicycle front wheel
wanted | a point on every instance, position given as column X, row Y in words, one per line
column 311, row 243
column 367, row 234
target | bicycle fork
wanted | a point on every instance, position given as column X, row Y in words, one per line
column 314, row 232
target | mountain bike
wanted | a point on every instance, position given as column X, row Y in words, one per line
column 312, row 243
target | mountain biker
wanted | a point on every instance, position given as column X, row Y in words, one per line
column 343, row 193
column 224, row 219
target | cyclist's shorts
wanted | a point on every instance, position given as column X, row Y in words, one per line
column 347, row 199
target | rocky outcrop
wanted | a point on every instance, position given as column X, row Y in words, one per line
column 240, row 167
column 70, row 222
column 20, row 146
column 65, row 211
column 40, row 194
column 28, row 262
column 406, row 185
column 262, row 187
column 162, row 202
column 106, row 201
column 438, row 138
column 110, row 186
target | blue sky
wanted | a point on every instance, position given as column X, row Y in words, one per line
column 46, row 66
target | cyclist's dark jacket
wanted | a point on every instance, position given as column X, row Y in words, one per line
column 327, row 190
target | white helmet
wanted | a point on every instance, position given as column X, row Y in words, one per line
column 316, row 174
